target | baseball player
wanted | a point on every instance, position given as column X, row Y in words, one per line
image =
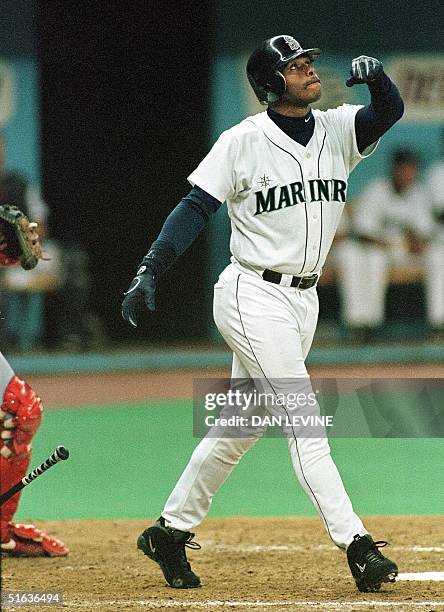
column 391, row 225
column 283, row 174
column 20, row 417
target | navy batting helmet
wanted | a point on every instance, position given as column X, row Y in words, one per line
column 263, row 66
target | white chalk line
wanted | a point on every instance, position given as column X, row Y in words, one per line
column 438, row 576
column 202, row 604
column 254, row 548
column 209, row 545
column 290, row 548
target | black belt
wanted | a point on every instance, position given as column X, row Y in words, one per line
column 299, row 282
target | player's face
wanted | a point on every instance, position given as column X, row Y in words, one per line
column 404, row 175
column 303, row 84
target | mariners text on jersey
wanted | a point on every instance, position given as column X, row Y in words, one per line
column 318, row 190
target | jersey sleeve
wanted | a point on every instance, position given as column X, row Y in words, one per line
column 216, row 173
column 342, row 121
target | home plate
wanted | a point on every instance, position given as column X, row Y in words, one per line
column 421, row 576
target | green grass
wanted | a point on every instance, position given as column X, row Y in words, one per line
column 125, row 460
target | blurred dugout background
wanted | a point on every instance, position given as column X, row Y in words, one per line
column 109, row 106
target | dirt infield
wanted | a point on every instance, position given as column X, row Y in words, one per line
column 124, row 387
column 251, row 564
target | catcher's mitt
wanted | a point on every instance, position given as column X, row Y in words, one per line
column 20, row 236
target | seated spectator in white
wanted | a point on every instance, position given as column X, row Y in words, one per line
column 434, row 180
column 391, row 226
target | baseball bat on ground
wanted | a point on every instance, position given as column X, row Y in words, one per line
column 60, row 454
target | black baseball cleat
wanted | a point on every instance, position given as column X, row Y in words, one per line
column 369, row 567
column 166, row 546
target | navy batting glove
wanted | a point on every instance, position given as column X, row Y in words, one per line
column 364, row 69
column 142, row 288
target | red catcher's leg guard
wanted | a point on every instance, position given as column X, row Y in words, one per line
column 27, row 541
column 20, row 417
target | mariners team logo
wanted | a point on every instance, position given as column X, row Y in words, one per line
column 292, row 43
column 264, row 181
column 277, row 197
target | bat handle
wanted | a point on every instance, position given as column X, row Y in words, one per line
column 60, row 454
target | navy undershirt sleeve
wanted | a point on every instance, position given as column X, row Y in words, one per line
column 385, row 108
column 181, row 227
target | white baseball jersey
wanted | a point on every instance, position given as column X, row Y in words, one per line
column 382, row 213
column 284, row 200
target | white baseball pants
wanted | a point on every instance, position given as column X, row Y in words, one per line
column 270, row 329
column 363, row 281
column 362, row 272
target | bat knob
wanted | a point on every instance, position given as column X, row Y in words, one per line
column 62, row 452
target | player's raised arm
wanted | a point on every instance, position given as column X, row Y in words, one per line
column 179, row 231
column 386, row 106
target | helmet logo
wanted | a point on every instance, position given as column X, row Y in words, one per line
column 292, row 43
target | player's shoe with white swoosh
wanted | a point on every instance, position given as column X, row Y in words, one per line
column 166, row 546
column 368, row 565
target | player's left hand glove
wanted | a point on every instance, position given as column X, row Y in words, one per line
column 364, row 69
column 141, row 289
column 19, row 239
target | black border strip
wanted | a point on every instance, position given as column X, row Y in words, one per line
column 274, row 391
